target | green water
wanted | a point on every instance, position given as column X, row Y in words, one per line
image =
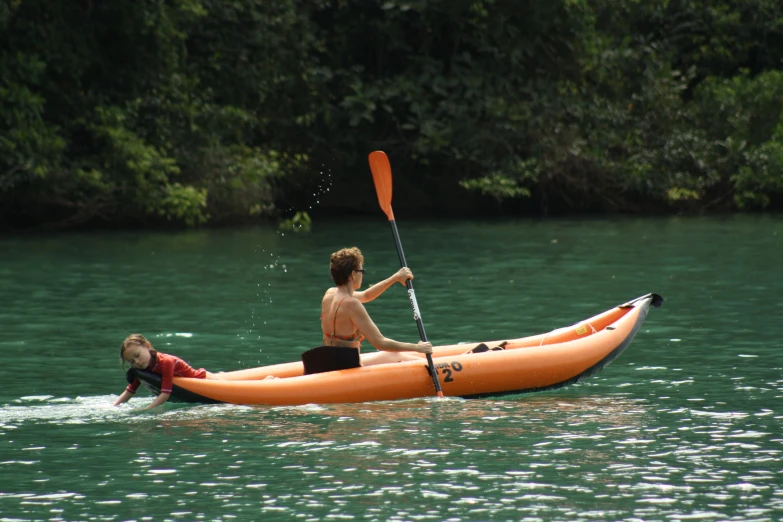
column 685, row 425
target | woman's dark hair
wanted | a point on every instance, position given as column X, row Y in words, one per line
column 343, row 263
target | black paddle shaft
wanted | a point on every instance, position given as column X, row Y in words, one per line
column 415, row 305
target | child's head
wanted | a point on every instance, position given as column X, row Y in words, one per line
column 137, row 351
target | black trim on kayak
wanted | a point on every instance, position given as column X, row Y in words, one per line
column 151, row 381
column 655, row 301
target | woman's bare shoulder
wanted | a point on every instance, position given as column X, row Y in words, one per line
column 352, row 303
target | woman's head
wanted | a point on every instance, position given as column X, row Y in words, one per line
column 137, row 351
column 344, row 263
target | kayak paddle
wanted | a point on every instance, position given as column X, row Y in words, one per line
column 382, row 177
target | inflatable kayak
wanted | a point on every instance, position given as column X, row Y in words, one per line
column 470, row 370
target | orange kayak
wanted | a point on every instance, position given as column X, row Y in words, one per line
column 529, row 364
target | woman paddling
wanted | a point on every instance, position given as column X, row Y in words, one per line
column 344, row 320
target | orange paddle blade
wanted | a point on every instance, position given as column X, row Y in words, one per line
column 381, row 175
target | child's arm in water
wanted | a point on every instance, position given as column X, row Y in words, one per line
column 125, row 397
column 160, row 399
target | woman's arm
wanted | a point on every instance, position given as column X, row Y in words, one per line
column 402, row 275
column 361, row 319
column 125, row 397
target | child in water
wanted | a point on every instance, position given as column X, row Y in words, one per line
column 138, row 351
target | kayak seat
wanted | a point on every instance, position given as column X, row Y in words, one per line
column 481, row 348
column 329, row 359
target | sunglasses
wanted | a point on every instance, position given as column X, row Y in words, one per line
column 362, row 270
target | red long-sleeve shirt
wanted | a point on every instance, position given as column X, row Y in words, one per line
column 167, row 366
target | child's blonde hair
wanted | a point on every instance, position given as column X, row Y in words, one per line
column 135, row 339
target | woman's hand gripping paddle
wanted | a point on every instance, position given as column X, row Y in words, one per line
column 381, row 175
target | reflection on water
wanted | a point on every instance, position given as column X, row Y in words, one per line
column 682, row 426
column 547, row 455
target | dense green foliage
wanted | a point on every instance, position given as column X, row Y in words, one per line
column 195, row 110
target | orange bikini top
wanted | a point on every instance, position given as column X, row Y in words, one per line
column 356, row 336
